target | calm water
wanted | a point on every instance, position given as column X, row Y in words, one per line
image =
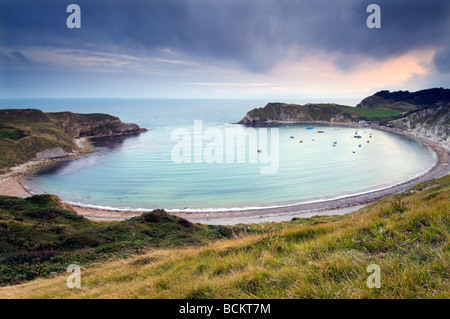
column 139, row 173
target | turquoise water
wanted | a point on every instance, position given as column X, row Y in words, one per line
column 139, row 172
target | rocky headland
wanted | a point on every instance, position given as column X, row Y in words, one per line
column 424, row 113
column 30, row 135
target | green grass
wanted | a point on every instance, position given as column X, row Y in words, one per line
column 326, row 112
column 25, row 132
column 406, row 234
column 11, row 133
column 375, row 114
column 24, row 149
column 39, row 237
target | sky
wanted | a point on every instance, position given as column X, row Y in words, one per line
column 258, row 49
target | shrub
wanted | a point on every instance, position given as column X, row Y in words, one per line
column 185, row 223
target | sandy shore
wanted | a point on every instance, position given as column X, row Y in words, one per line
column 10, row 185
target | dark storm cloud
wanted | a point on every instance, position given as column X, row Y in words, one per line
column 442, row 60
column 254, row 34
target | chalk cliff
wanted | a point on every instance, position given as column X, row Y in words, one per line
column 432, row 123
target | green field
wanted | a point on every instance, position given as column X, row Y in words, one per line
column 375, row 114
column 38, row 237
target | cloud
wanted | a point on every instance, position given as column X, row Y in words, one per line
column 442, row 60
column 21, row 58
column 252, row 34
column 173, row 47
column 14, row 58
column 5, row 59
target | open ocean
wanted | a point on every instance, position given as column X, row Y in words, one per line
column 139, row 172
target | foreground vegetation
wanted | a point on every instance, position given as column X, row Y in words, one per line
column 39, row 237
column 407, row 235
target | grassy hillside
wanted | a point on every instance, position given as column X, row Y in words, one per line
column 40, row 236
column 95, row 124
column 376, row 114
column 25, row 132
column 405, row 100
column 407, row 235
column 380, row 107
column 280, row 112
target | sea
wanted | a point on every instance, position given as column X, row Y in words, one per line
column 193, row 158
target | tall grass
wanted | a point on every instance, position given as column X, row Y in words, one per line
column 407, row 235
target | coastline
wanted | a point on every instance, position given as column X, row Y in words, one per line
column 10, row 180
column 10, row 185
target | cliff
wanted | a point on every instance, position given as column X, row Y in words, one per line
column 405, row 100
column 382, row 107
column 90, row 125
column 279, row 113
column 432, row 123
column 29, row 134
column 424, row 113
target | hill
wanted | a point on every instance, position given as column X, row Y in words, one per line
column 274, row 113
column 41, row 236
column 28, row 134
column 407, row 235
column 432, row 122
column 381, row 107
column 281, row 113
column 405, row 100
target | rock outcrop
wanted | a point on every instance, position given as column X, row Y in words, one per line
column 424, row 113
column 50, row 153
column 405, row 100
column 90, row 125
column 280, row 113
column 29, row 134
column 432, row 123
